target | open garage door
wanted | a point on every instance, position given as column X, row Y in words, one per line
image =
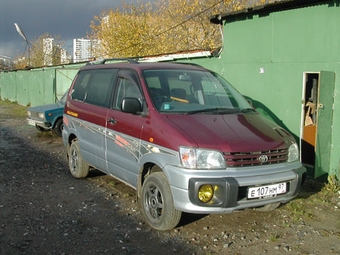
column 317, row 121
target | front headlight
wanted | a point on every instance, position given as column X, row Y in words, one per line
column 201, row 159
column 41, row 115
column 293, row 152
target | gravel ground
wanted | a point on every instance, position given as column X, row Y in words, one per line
column 45, row 211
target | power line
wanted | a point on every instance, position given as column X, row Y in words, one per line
column 171, row 28
column 194, row 16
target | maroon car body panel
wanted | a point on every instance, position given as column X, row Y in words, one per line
column 233, row 132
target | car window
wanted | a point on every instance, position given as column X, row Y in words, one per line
column 100, row 85
column 192, row 91
column 126, row 87
column 94, row 86
column 80, row 86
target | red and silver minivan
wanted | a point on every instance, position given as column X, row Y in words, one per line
column 180, row 135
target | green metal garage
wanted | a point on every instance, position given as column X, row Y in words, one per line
column 284, row 56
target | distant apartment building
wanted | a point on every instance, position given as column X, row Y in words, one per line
column 53, row 53
column 83, row 49
column 48, row 45
column 65, row 58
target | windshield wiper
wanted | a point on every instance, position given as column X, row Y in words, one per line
column 213, row 110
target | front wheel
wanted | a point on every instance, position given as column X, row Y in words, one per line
column 78, row 167
column 58, row 127
column 157, row 203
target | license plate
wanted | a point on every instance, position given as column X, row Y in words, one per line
column 30, row 122
column 267, row 190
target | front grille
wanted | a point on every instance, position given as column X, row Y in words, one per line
column 237, row 159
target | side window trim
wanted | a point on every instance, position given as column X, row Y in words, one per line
column 118, row 94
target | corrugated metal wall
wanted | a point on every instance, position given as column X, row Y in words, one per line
column 37, row 86
column 266, row 57
column 64, row 78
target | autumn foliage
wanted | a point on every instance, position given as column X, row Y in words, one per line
column 44, row 51
column 166, row 26
column 146, row 29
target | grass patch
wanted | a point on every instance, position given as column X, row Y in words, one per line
column 126, row 195
column 324, row 195
column 328, row 193
column 333, row 184
column 296, row 208
column 112, row 183
column 274, row 237
column 13, row 108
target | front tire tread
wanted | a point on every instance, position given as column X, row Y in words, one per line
column 157, row 203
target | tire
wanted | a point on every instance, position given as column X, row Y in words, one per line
column 78, row 167
column 41, row 129
column 157, row 203
column 58, row 127
column 268, row 207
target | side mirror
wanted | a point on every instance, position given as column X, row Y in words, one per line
column 131, row 105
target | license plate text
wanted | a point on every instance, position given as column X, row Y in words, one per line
column 267, row 191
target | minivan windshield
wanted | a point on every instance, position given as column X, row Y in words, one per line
column 193, row 92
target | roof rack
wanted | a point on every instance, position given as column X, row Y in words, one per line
column 104, row 61
column 130, row 60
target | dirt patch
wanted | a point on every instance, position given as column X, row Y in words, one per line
column 46, row 211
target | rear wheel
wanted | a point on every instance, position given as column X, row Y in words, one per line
column 58, row 127
column 157, row 203
column 78, row 167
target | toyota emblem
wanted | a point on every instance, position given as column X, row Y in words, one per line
column 263, row 159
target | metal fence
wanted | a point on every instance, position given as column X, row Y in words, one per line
column 37, row 86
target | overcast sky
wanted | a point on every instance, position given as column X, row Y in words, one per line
column 68, row 19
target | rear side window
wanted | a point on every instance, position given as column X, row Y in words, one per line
column 80, row 86
column 94, row 86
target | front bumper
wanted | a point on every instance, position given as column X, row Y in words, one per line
column 231, row 192
column 40, row 123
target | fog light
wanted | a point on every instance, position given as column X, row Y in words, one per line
column 205, row 193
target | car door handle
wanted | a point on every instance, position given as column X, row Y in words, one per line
column 112, row 121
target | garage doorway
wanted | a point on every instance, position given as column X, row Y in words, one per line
column 316, row 121
column 309, row 119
